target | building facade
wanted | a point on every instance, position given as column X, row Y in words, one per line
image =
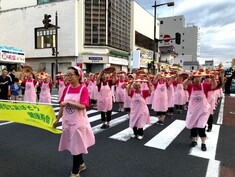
column 93, row 34
column 190, row 38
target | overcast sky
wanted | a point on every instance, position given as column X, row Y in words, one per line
column 215, row 18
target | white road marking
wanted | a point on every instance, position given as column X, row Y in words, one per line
column 5, row 123
column 221, row 112
column 213, row 168
column 166, row 136
column 96, row 129
column 125, row 135
column 211, row 143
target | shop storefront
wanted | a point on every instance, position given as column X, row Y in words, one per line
column 11, row 57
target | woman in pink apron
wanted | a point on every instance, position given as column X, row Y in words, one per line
column 160, row 101
column 139, row 115
column 198, row 108
column 127, row 100
column 77, row 134
column 30, row 89
column 45, row 93
column 180, row 99
column 104, row 99
column 170, row 97
column 120, row 92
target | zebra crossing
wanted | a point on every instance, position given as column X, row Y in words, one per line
column 160, row 141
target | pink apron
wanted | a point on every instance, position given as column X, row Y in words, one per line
column 198, row 110
column 45, row 95
column 160, row 101
column 30, row 92
column 139, row 115
column 77, row 134
column 144, row 86
column 61, row 88
column 120, row 97
column 211, row 100
column 179, row 95
column 171, row 96
column 127, row 100
column 104, row 99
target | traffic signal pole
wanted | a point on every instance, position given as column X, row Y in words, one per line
column 56, row 43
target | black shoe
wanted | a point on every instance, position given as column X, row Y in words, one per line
column 193, row 144
column 104, row 126
column 160, row 122
column 203, row 147
column 208, row 130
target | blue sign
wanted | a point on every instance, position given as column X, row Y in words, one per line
column 95, row 58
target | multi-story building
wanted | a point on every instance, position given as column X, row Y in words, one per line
column 92, row 33
column 190, row 38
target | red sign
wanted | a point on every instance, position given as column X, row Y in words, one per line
column 166, row 38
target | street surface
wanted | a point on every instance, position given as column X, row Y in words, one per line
column 164, row 152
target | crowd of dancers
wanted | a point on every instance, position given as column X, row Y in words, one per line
column 166, row 93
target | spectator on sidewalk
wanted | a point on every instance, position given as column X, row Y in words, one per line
column 4, row 85
column 15, row 88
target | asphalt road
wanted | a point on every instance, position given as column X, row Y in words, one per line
column 164, row 152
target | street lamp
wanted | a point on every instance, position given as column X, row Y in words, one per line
column 155, row 41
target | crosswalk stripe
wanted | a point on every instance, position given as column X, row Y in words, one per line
column 221, row 112
column 97, row 117
column 213, row 168
column 165, row 137
column 211, row 143
column 96, row 129
column 125, row 135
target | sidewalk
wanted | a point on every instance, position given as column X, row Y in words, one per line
column 229, row 110
column 227, row 142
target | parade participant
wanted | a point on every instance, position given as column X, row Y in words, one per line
column 4, row 85
column 212, row 99
column 170, row 96
column 160, row 100
column 198, row 108
column 77, row 134
column 180, row 96
column 92, row 88
column 104, row 99
column 120, row 92
column 139, row 115
column 61, row 83
column 15, row 88
column 46, row 87
column 127, row 100
column 30, row 89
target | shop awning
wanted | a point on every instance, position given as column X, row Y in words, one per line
column 11, row 55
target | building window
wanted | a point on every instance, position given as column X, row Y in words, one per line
column 181, row 61
column 182, row 47
column 95, row 27
column 44, row 38
column 182, row 53
column 161, row 22
column 95, row 1
column 45, row 1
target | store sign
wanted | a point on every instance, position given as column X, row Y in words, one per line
column 118, row 61
column 12, row 57
column 95, row 59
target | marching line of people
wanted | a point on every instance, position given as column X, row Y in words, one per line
column 135, row 93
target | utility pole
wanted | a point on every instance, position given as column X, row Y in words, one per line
column 56, row 43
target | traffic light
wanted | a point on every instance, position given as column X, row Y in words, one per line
column 177, row 38
column 46, row 21
column 53, row 51
column 150, row 64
